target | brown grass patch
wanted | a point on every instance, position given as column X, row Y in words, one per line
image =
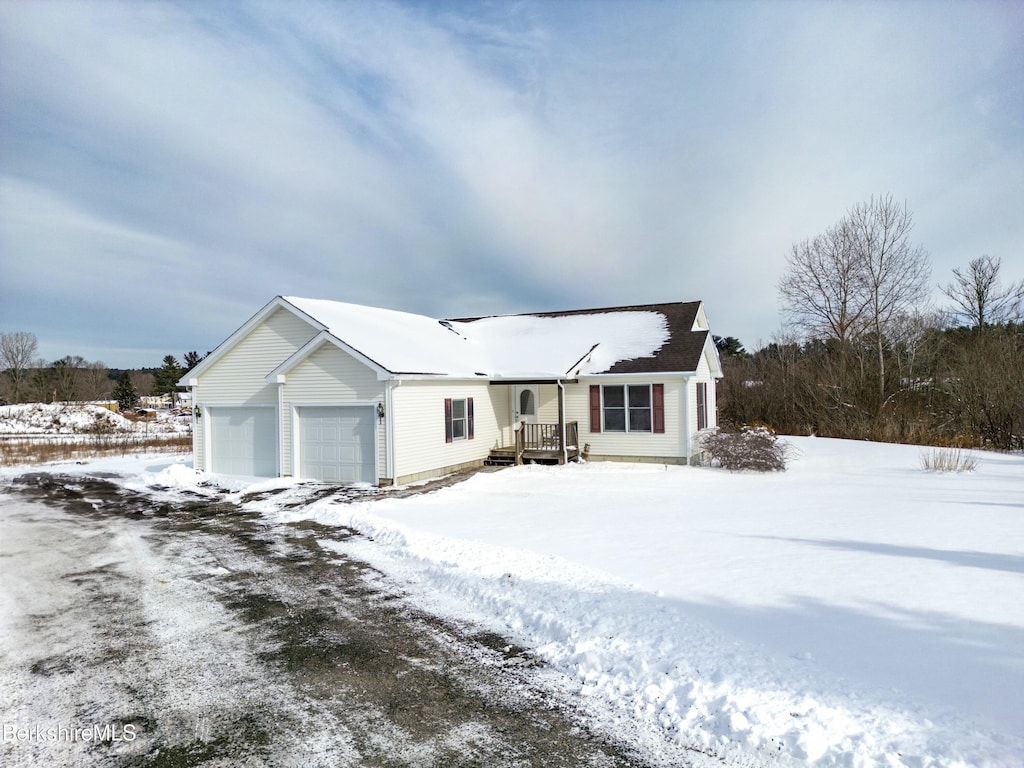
column 947, row 460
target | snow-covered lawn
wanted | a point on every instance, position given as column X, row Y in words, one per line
column 854, row 610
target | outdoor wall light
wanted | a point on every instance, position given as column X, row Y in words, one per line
column 380, row 411
column 198, row 412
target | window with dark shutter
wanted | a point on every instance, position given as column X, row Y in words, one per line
column 458, row 419
column 702, row 405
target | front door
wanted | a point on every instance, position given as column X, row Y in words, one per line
column 525, row 405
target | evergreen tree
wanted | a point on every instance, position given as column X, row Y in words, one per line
column 166, row 380
column 125, row 393
column 730, row 346
column 192, row 359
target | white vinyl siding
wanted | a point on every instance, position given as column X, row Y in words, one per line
column 703, row 375
column 330, row 376
column 547, row 396
column 420, row 429
column 238, row 377
column 629, row 444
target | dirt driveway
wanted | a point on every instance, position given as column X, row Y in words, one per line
column 145, row 633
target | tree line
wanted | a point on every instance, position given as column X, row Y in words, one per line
column 864, row 355
column 28, row 378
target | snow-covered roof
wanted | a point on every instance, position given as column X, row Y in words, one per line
column 550, row 345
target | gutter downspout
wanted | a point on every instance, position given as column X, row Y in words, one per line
column 389, row 428
column 193, row 388
column 280, row 434
column 687, row 435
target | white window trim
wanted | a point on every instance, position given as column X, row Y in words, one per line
column 701, row 404
column 625, row 409
column 464, row 419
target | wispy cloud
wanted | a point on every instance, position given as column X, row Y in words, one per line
column 456, row 159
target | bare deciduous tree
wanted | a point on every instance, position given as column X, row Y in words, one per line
column 854, row 281
column 17, row 350
column 96, row 383
column 40, row 381
column 823, row 288
column 988, row 390
column 979, row 297
column 895, row 272
column 67, row 375
column 144, row 382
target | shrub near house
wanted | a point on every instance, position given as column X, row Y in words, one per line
column 755, row 448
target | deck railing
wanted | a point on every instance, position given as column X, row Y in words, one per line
column 545, row 437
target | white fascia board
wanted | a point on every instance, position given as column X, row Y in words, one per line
column 700, row 319
column 277, row 376
column 529, row 377
column 651, row 375
column 714, row 360
column 242, row 332
column 400, row 377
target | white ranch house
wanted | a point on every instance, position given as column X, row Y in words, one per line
column 344, row 393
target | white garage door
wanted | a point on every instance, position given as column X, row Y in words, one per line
column 243, row 441
column 337, row 444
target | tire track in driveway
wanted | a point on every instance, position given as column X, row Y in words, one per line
column 243, row 643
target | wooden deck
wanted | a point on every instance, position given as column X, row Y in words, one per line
column 538, row 443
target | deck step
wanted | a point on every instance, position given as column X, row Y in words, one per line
column 500, row 459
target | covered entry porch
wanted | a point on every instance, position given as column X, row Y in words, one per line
column 535, row 436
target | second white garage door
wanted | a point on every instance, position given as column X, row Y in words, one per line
column 337, row 444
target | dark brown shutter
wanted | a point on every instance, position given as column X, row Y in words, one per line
column 469, row 418
column 702, row 405
column 595, row 408
column 658, row 403
column 447, row 419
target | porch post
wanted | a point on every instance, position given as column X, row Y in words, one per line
column 561, row 421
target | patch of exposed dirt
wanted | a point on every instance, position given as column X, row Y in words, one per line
column 354, row 674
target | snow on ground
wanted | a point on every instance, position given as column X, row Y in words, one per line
column 852, row 611
column 81, row 418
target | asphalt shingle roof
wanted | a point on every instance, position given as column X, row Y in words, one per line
column 681, row 352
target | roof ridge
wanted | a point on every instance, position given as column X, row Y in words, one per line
column 590, row 311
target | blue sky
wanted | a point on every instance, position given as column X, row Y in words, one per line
column 167, row 168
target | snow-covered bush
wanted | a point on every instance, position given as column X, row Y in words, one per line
column 947, row 460
column 755, row 447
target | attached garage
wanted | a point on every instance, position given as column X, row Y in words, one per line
column 243, row 441
column 337, row 444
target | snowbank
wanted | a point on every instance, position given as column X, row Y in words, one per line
column 81, row 419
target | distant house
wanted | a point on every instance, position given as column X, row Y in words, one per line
column 345, row 393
